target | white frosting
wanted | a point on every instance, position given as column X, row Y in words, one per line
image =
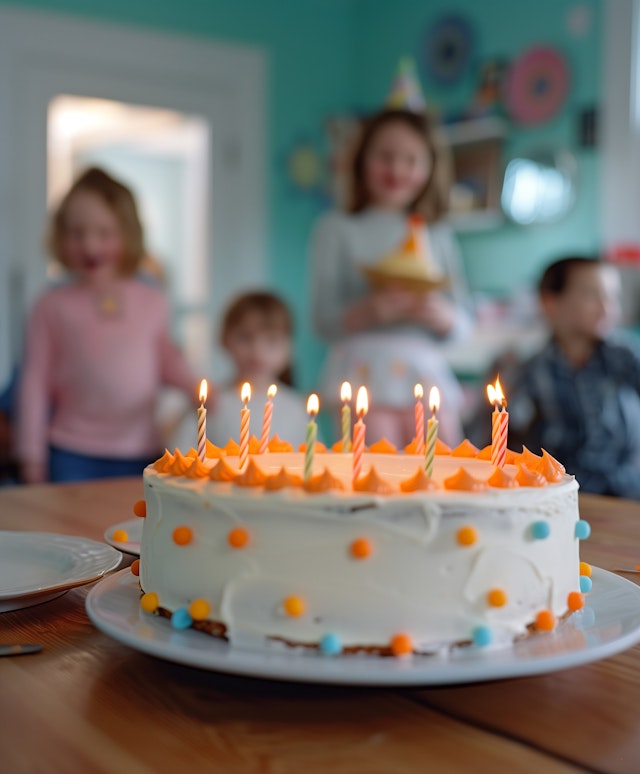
column 418, row 579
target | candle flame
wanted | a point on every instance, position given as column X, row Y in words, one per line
column 434, row 399
column 345, row 392
column 245, row 393
column 271, row 392
column 313, row 404
column 362, row 402
column 500, row 394
column 496, row 395
column 418, row 392
column 202, row 395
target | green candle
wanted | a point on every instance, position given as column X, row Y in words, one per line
column 313, row 406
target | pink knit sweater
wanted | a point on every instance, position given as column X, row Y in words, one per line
column 90, row 379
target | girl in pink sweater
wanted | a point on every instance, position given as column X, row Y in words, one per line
column 98, row 348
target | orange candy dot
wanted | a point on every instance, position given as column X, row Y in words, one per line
column 149, row 602
column 238, row 537
column 135, row 567
column 140, row 508
column 120, row 535
column 585, row 569
column 497, row 598
column 199, row 609
column 294, row 606
column 467, row 536
column 182, row 536
column 575, row 600
column 361, row 548
column 545, row 621
column 401, row 645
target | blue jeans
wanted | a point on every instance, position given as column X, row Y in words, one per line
column 69, row 466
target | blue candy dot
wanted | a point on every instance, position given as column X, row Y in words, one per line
column 481, row 636
column 585, row 584
column 583, row 529
column 540, row 530
column 330, row 644
column 181, row 619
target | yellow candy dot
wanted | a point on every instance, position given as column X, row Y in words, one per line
column 361, row 548
column 135, row 567
column 294, row 606
column 497, row 598
column 585, row 569
column 140, row 508
column 120, row 535
column 575, row 600
column 467, row 536
column 238, row 537
column 545, row 621
column 149, row 602
column 199, row 609
column 401, row 644
column 182, row 536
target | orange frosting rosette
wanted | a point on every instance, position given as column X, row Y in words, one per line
column 254, row 445
column 281, row 480
column 465, row 449
column 276, row 444
column 222, row 471
column 527, row 477
column 213, row 451
column 441, row 447
column 419, row 482
column 372, row 482
column 319, row 447
column 163, row 463
column 253, row 475
column 463, row 481
column 500, row 479
column 383, row 447
column 180, row 464
column 323, row 482
column 197, row 469
column 232, row 448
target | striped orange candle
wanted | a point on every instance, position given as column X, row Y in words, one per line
column 202, row 421
column 266, row 419
column 499, row 424
column 245, row 418
column 359, row 432
column 345, row 397
column 419, row 417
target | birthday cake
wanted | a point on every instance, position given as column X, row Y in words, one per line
column 398, row 562
column 409, row 265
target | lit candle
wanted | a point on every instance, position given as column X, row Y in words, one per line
column 432, row 431
column 202, row 421
column 313, row 407
column 359, row 432
column 266, row 419
column 499, row 424
column 419, row 415
column 245, row 417
column 345, row 397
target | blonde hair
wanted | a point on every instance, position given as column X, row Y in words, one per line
column 120, row 200
column 433, row 201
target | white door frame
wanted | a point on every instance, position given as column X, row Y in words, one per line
column 43, row 54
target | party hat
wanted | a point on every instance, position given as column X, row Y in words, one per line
column 406, row 92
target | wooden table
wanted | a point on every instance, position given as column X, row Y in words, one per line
column 88, row 704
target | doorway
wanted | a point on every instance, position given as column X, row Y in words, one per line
column 162, row 156
column 215, row 92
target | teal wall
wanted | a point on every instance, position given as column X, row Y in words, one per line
column 329, row 56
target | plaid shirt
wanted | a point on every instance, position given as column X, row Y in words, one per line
column 588, row 417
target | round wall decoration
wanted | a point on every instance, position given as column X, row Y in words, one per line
column 536, row 85
column 448, row 49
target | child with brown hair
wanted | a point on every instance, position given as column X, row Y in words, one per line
column 256, row 332
column 98, row 347
column 388, row 338
column 579, row 397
